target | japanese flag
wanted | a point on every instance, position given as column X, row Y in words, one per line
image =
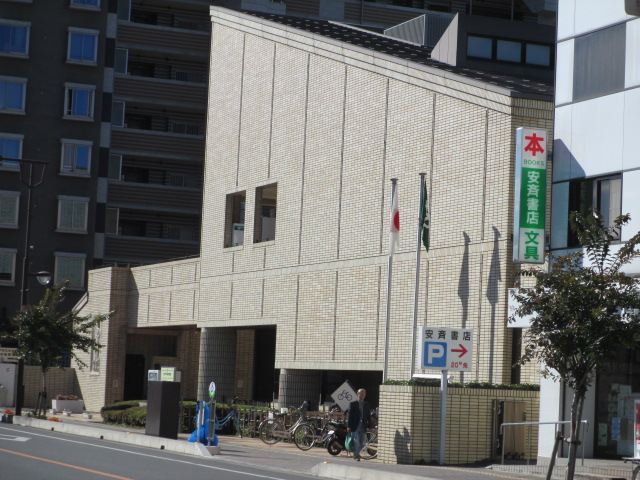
column 394, row 222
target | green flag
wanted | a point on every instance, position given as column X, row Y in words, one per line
column 424, row 214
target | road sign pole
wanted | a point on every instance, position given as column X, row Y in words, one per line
column 443, row 416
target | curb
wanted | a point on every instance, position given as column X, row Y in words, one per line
column 132, row 438
column 343, row 472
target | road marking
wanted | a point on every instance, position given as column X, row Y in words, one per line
column 191, row 462
column 13, row 438
column 68, row 465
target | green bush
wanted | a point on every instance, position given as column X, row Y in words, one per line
column 433, row 382
column 135, row 417
column 120, row 406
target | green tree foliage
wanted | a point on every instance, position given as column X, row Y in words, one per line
column 44, row 334
column 584, row 309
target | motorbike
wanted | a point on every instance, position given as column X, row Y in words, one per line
column 336, row 436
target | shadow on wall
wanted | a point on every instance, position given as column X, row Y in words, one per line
column 401, row 446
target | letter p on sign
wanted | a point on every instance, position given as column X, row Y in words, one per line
column 435, row 355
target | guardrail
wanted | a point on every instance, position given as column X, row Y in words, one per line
column 529, row 425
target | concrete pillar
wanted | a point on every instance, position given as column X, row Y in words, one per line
column 296, row 386
column 217, row 362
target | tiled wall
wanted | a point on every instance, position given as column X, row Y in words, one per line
column 409, row 424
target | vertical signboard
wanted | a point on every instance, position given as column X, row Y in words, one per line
column 530, row 195
column 636, row 430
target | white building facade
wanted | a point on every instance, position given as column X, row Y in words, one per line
column 596, row 164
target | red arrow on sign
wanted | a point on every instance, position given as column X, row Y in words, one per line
column 462, row 350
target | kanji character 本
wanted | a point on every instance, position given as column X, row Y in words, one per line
column 531, row 252
column 534, row 144
column 532, row 238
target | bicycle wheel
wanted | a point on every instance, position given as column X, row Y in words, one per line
column 370, row 449
column 271, row 431
column 303, row 436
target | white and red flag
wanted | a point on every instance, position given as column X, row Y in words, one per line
column 394, row 222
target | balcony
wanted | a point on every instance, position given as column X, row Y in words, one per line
column 143, row 250
column 157, row 91
column 157, row 198
column 160, row 144
column 152, row 38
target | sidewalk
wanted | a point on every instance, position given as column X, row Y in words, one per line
column 286, row 457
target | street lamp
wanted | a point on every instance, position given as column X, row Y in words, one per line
column 28, row 179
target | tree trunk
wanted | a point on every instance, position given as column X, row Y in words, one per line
column 574, row 438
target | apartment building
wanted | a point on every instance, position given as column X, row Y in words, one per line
column 111, row 95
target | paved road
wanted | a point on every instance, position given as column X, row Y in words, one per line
column 32, row 453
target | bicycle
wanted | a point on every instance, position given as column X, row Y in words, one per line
column 231, row 416
column 370, row 449
column 273, row 430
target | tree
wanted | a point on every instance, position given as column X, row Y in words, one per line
column 44, row 335
column 583, row 312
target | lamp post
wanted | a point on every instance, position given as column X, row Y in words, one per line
column 28, row 179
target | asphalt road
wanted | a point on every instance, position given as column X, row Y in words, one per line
column 28, row 453
column 34, row 455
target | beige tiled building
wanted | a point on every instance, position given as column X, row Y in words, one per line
column 307, row 124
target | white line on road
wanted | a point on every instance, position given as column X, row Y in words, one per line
column 151, row 456
column 13, row 438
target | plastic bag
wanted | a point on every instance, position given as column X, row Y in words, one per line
column 348, row 443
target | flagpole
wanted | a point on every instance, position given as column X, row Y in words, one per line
column 416, row 288
column 385, row 365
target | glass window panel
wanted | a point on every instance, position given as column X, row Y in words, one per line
column 8, row 209
column 69, row 268
column 6, row 266
column 508, row 51
column 539, row 55
column 18, row 39
column 479, row 47
column 83, row 154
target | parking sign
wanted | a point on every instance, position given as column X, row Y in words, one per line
column 446, row 348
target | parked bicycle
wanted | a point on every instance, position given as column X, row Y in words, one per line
column 273, row 430
column 232, row 416
column 370, row 449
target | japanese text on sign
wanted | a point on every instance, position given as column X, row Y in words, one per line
column 531, row 194
column 446, row 348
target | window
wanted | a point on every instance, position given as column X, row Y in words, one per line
column 72, row 214
column 10, row 147
column 112, row 219
column 264, row 229
column 598, row 63
column 78, row 101
column 234, row 219
column 76, row 157
column 603, row 194
column 509, row 51
column 12, row 94
column 479, row 47
column 69, row 267
column 538, row 55
column 9, row 209
column 122, row 59
column 82, row 46
column 115, row 167
column 7, row 266
column 117, row 114
column 85, row 4
column 14, row 38
column 124, row 10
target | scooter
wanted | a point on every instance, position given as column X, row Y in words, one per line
column 336, row 437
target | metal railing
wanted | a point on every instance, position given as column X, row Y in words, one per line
column 529, row 424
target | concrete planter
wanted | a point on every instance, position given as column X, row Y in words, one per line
column 73, row 406
column 408, row 425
